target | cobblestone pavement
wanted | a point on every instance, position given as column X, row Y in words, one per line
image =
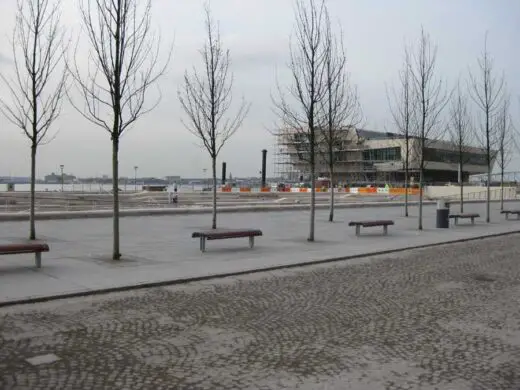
column 441, row 318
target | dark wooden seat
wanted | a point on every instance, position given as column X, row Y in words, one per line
column 224, row 234
column 359, row 224
column 471, row 216
column 507, row 212
column 27, row 247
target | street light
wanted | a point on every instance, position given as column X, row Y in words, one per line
column 205, row 180
column 61, row 167
column 135, row 177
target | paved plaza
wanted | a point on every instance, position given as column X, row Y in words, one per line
column 439, row 318
column 160, row 248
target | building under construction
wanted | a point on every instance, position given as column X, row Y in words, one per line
column 371, row 157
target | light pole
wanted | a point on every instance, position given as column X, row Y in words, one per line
column 135, row 177
column 61, row 167
column 205, row 179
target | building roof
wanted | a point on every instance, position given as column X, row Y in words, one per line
column 370, row 134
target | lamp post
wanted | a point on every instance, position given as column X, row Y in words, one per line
column 61, row 167
column 135, row 177
column 205, row 179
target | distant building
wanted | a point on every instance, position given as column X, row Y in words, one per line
column 54, row 178
column 172, row 179
column 365, row 156
column 15, row 179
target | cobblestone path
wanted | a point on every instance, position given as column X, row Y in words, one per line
column 441, row 318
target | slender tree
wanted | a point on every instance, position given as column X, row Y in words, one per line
column 298, row 105
column 505, row 142
column 37, row 88
column 122, row 65
column 206, row 98
column 431, row 97
column 341, row 109
column 486, row 92
column 403, row 108
column 462, row 136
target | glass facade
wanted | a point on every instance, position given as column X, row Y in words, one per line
column 383, row 154
column 452, row 156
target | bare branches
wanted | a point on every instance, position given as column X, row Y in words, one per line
column 206, row 96
column 340, row 110
column 297, row 105
column 429, row 90
column 38, row 85
column 487, row 91
column 432, row 98
column 123, row 63
column 403, row 107
column 460, row 125
column 505, row 135
column 36, row 90
column 402, row 102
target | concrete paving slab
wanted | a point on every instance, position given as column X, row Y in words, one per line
column 160, row 248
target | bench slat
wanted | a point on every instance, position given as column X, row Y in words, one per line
column 224, row 233
column 371, row 223
column 464, row 216
column 13, row 249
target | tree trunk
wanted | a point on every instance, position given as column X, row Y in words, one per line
column 214, row 176
column 502, row 189
column 421, row 186
column 406, row 168
column 32, row 225
column 331, row 212
column 313, row 205
column 461, row 193
column 488, row 195
column 116, row 255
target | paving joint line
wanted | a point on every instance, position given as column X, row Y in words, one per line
column 164, row 283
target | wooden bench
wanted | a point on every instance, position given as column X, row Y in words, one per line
column 456, row 217
column 28, row 247
column 224, row 234
column 359, row 224
column 507, row 212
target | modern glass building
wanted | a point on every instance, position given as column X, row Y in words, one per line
column 364, row 156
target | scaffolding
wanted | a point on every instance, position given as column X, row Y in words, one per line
column 353, row 168
column 285, row 168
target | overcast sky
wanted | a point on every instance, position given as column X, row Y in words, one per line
column 257, row 33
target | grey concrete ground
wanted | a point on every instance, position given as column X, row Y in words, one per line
column 161, row 248
column 439, row 318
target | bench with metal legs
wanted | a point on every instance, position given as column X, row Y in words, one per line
column 223, row 234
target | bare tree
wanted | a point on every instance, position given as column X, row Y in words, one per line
column 123, row 63
column 462, row 136
column 487, row 93
column 403, row 108
column 298, row 105
column 206, row 98
column 432, row 98
column 505, row 143
column 341, row 109
column 39, row 82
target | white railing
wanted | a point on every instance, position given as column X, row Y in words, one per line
column 495, row 194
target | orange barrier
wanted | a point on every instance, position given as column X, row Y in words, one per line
column 360, row 190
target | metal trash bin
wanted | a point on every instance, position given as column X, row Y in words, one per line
column 443, row 212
